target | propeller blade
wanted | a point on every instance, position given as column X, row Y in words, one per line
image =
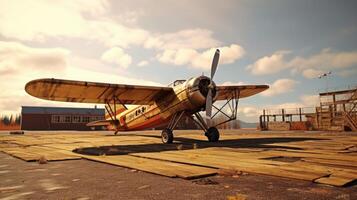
column 215, row 63
column 209, row 94
column 209, row 103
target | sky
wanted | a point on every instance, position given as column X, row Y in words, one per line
column 286, row 44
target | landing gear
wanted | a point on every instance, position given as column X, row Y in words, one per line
column 212, row 134
column 167, row 136
column 232, row 103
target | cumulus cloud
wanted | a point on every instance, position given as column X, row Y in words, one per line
column 93, row 21
column 16, row 57
column 310, row 100
column 24, row 63
column 279, row 87
column 326, row 59
column 143, row 63
column 60, row 18
column 250, row 111
column 90, row 20
column 311, row 73
column 233, row 83
column 307, row 103
column 44, row 20
column 310, row 67
column 192, row 57
column 190, row 38
column 116, row 55
column 269, row 64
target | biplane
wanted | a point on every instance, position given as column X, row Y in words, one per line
column 154, row 105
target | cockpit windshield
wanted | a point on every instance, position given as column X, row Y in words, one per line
column 177, row 82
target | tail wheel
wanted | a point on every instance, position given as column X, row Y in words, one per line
column 212, row 134
column 166, row 136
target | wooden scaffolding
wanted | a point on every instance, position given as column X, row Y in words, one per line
column 337, row 110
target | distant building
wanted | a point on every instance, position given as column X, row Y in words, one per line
column 59, row 118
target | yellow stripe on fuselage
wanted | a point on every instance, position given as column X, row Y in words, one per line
column 165, row 108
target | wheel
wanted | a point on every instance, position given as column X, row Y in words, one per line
column 212, row 134
column 166, row 136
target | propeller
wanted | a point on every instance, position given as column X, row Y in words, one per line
column 210, row 86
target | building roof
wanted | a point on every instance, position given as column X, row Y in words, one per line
column 62, row 110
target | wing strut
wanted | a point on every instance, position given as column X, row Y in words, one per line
column 232, row 103
column 113, row 113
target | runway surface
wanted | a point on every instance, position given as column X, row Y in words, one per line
column 314, row 157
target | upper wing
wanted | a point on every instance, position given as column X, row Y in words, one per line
column 89, row 92
column 239, row 91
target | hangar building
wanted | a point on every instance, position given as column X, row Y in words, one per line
column 59, row 118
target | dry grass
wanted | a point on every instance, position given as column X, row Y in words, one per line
column 10, row 127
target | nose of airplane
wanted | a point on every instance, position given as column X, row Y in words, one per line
column 205, row 84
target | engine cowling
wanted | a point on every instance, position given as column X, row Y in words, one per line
column 197, row 90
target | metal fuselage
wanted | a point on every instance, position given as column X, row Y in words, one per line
column 188, row 96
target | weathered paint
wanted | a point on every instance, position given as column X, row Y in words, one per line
column 157, row 104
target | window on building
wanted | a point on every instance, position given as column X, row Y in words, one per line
column 76, row 119
column 96, row 118
column 55, row 119
column 62, row 119
column 67, row 119
column 85, row 119
column 93, row 118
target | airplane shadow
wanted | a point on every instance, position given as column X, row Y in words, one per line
column 181, row 143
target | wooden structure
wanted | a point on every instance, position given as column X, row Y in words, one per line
column 58, row 118
column 285, row 119
column 337, row 111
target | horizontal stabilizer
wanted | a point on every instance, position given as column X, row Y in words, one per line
column 101, row 123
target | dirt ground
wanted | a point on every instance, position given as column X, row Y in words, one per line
column 83, row 179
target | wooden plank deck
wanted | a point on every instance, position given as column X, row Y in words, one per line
column 321, row 158
column 159, row 167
